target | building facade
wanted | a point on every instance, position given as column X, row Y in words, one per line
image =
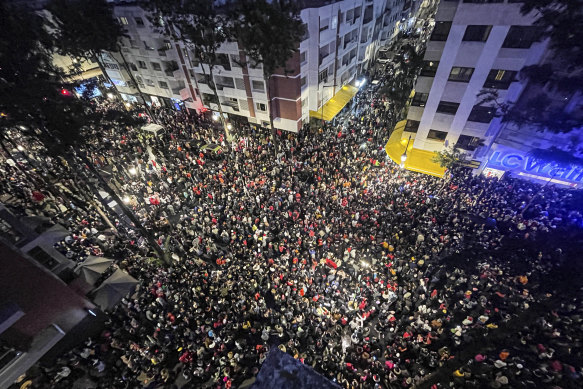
column 341, row 43
column 475, row 46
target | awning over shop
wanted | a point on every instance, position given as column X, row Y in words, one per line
column 417, row 160
column 116, row 287
column 336, row 103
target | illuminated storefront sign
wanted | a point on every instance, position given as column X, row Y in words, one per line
column 530, row 167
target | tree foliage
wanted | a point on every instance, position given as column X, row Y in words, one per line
column 82, row 29
column 202, row 26
column 551, row 83
column 449, row 157
column 269, row 32
column 35, row 100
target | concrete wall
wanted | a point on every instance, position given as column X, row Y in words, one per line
column 482, row 56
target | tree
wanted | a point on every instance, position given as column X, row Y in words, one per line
column 269, row 32
column 551, row 84
column 34, row 99
column 449, row 157
column 84, row 30
column 201, row 26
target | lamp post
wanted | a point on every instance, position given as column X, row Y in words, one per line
column 404, row 156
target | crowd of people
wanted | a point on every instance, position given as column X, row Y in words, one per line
column 317, row 244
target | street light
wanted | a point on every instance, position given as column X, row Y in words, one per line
column 229, row 126
column 20, row 148
column 133, row 171
column 404, row 156
column 126, row 199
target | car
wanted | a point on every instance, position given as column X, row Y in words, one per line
column 385, row 56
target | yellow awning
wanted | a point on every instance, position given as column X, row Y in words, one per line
column 417, row 160
column 336, row 103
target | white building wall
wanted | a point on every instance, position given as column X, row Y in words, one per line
column 361, row 50
column 482, row 56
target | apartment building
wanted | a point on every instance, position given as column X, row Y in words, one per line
column 341, row 43
column 475, row 45
column 149, row 66
column 511, row 149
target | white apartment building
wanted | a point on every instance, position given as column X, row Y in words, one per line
column 341, row 43
column 149, row 64
column 475, row 45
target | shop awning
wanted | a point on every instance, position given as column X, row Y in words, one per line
column 417, row 160
column 336, row 103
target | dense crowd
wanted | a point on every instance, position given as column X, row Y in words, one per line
column 318, row 244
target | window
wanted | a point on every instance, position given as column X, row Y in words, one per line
column 521, row 37
column 123, row 20
column 223, row 60
column 500, row 79
column 429, row 68
column 239, row 83
column 323, row 76
column 142, row 65
column 258, row 86
column 467, row 142
column 481, row 114
column 167, row 45
column 209, row 98
column 108, row 65
column 224, row 82
column 170, row 67
column 201, row 78
column 163, row 84
column 440, row 31
column 303, row 57
column 367, row 14
column 447, row 107
column 133, row 67
column 303, row 81
column 149, row 82
column 235, row 60
column 140, row 81
column 437, row 135
column 477, row 33
column 261, row 107
column 156, row 66
column 460, row 74
column 324, row 24
column 412, row 125
column 419, row 99
column 139, row 22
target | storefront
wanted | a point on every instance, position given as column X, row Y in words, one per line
column 520, row 164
